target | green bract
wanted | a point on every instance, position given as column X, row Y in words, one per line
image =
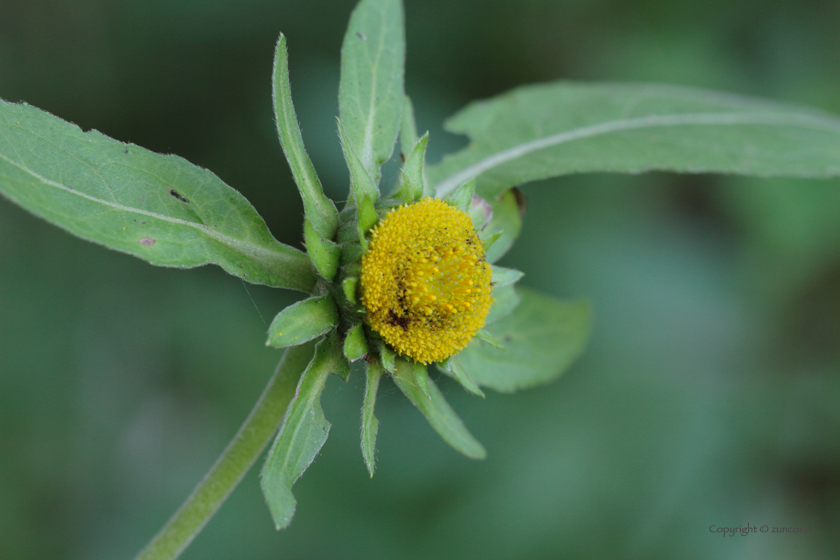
column 171, row 213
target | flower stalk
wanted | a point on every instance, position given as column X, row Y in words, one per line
column 253, row 436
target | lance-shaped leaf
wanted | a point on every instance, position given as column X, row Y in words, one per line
column 541, row 339
column 160, row 208
column 542, row 131
column 370, row 425
column 370, row 95
column 302, row 434
column 303, row 321
column 437, row 411
column 318, row 208
column 362, row 186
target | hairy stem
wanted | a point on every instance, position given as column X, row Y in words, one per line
column 234, row 462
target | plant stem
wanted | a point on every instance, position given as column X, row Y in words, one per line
column 234, row 462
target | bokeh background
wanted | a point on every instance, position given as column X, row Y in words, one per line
column 709, row 394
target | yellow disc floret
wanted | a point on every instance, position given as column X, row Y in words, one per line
column 425, row 283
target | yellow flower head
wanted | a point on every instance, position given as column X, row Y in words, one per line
column 425, row 283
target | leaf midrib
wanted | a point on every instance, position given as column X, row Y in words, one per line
column 241, row 246
column 651, row 121
column 368, row 141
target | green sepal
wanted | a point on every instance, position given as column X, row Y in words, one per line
column 437, row 411
column 412, row 183
column 388, row 358
column 488, row 242
column 317, row 207
column 340, row 366
column 462, row 196
column 325, row 254
column 302, row 322
column 506, row 220
column 349, row 286
column 505, row 276
column 370, row 425
column 452, row 367
column 367, row 217
column 355, row 343
column 351, row 252
column 488, row 338
column 361, row 184
column 421, row 378
column 481, row 212
column 302, row 434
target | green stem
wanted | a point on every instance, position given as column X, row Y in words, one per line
column 234, row 462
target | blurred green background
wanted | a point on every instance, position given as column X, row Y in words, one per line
column 709, row 394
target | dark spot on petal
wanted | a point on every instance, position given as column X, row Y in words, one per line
column 177, row 195
column 398, row 321
column 147, row 242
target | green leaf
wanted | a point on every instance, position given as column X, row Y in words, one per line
column 543, row 131
column 370, row 425
column 362, row 186
column 325, row 254
column 505, row 301
column 370, row 95
column 541, row 338
column 301, row 436
column 317, row 207
column 303, row 321
column 408, row 127
column 506, row 221
column 437, row 411
column 160, row 208
column 452, row 367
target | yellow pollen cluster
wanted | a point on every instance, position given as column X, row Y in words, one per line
column 425, row 283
